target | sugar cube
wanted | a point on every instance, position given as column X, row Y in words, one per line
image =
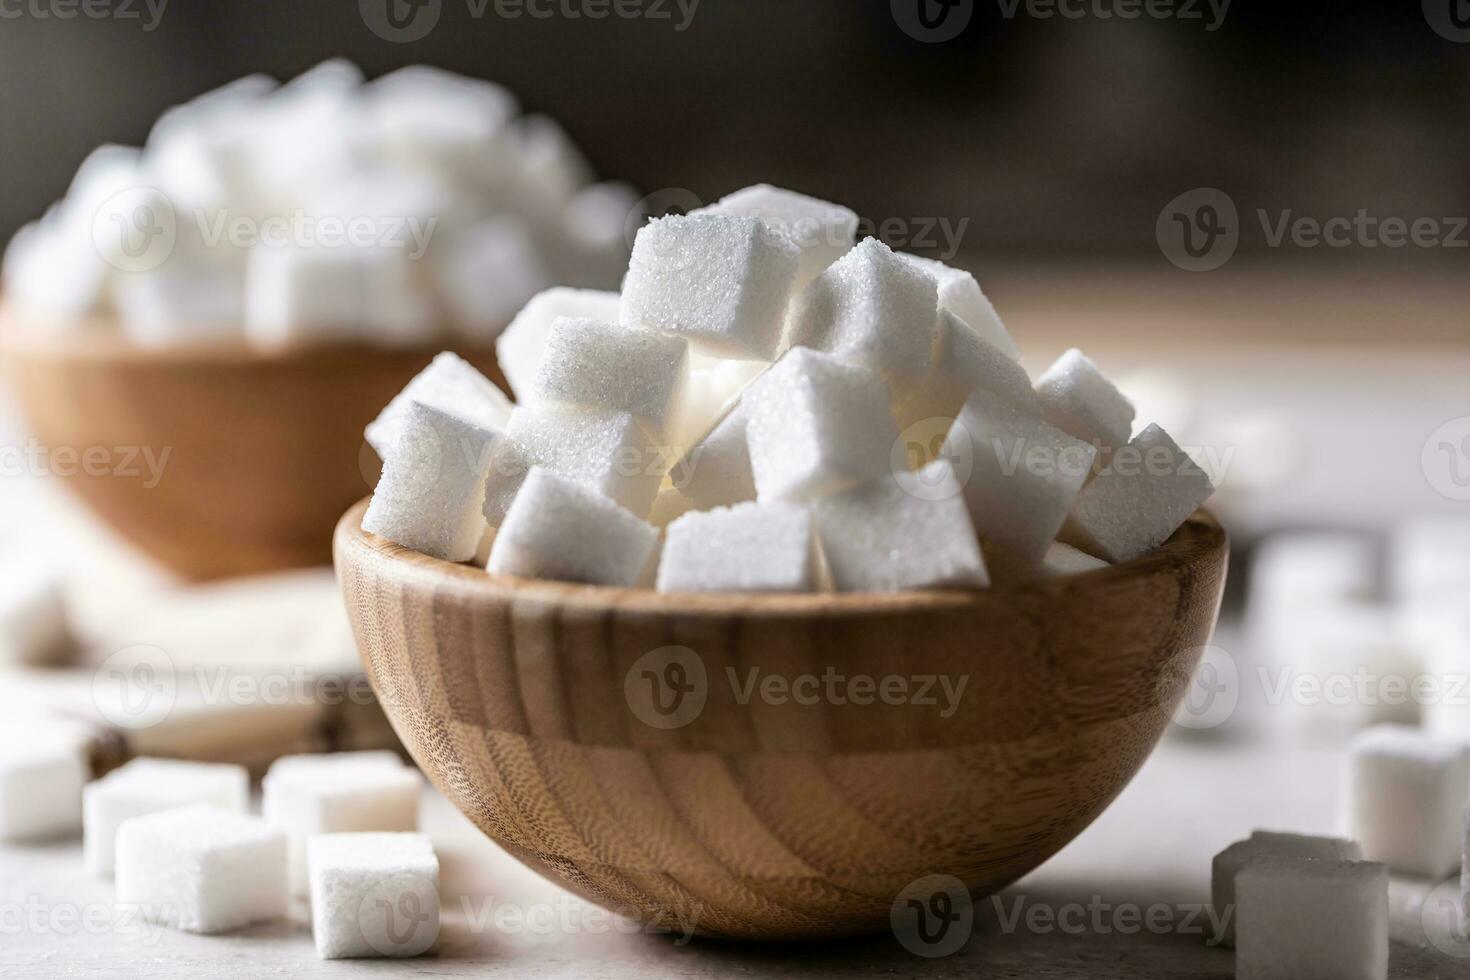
column 521, row 347
column 721, row 281
column 961, row 295
column 485, row 273
column 593, row 364
column 373, row 894
column 34, row 626
column 450, row 384
column 751, row 547
column 1265, row 846
column 1312, row 920
column 41, row 788
column 716, row 472
column 963, row 361
column 817, row 425
column 328, row 794
column 1063, row 559
column 180, row 304
column 431, row 494
column 872, row 308
column 1406, row 797
column 714, row 384
column 55, row 270
column 907, row 530
column 558, row 529
column 1358, row 653
column 146, row 786
column 1019, row 476
column 1076, row 398
column 824, row 231
column 202, row 869
column 1149, row 488
column 1293, row 571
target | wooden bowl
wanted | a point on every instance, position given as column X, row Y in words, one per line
column 530, row 704
column 264, row 449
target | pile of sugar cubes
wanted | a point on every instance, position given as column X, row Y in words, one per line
column 325, row 209
column 761, row 409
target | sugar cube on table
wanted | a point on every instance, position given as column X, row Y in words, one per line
column 373, row 895
column 1019, row 476
column 872, row 308
column 961, row 295
column 1406, row 797
column 558, row 529
column 450, row 384
column 817, row 425
column 1265, row 846
column 1312, row 920
column 146, row 786
column 908, row 530
column 431, row 495
column 328, row 794
column 593, row 364
column 1079, row 400
column 1148, row 489
column 751, row 547
column 41, row 783
column 521, row 347
column 202, row 869
column 824, row 231
column 1063, row 559
column 34, row 625
column 721, row 281
column 485, row 273
column 964, row 361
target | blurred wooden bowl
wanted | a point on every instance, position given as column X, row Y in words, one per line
column 753, row 815
column 265, row 449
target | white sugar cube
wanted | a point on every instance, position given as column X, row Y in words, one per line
column 1063, row 559
column 1312, row 920
column 521, row 346
column 721, row 281
column 41, row 787
column 871, row 308
column 1149, row 488
column 714, row 384
column 373, row 895
column 908, row 530
column 824, row 231
column 748, row 548
column 178, row 305
column 1019, row 475
column 485, row 273
column 961, row 295
column 716, row 472
column 595, row 364
column 557, row 529
column 605, row 451
column 433, row 119
column 1357, row 652
column 963, row 361
column 55, row 270
column 146, row 786
column 450, row 384
column 202, row 869
column 817, row 425
column 344, row 793
column 1406, row 797
column 431, row 495
column 34, row 626
column 1076, row 398
column 1267, row 847
column 1292, row 572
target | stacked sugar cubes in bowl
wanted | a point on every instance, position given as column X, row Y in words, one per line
column 742, row 417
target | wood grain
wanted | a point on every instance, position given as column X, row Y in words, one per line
column 768, row 819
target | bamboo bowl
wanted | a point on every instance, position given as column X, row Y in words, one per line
column 265, row 449
column 537, row 708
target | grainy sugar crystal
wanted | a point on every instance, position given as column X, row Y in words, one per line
column 824, row 231
column 747, row 548
column 961, row 295
column 593, row 364
column 373, row 895
column 450, row 384
column 964, row 361
column 521, row 347
column 1079, row 400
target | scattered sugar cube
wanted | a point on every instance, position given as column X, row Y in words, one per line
column 485, row 273
column 1023, row 475
column 146, row 786
column 373, row 894
column 908, row 530
column 330, row 794
column 1312, row 920
column 1063, row 559
column 1149, row 488
column 34, row 626
column 558, row 529
column 592, row 364
column 521, row 347
column 1265, row 846
column 963, row 361
column 721, row 281
column 872, row 308
column 824, row 231
column 747, row 548
column 817, row 425
column 961, row 295
column 1406, row 798
column 450, row 384
column 1076, row 398
column 431, row 495
column 202, row 869
column 41, row 788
